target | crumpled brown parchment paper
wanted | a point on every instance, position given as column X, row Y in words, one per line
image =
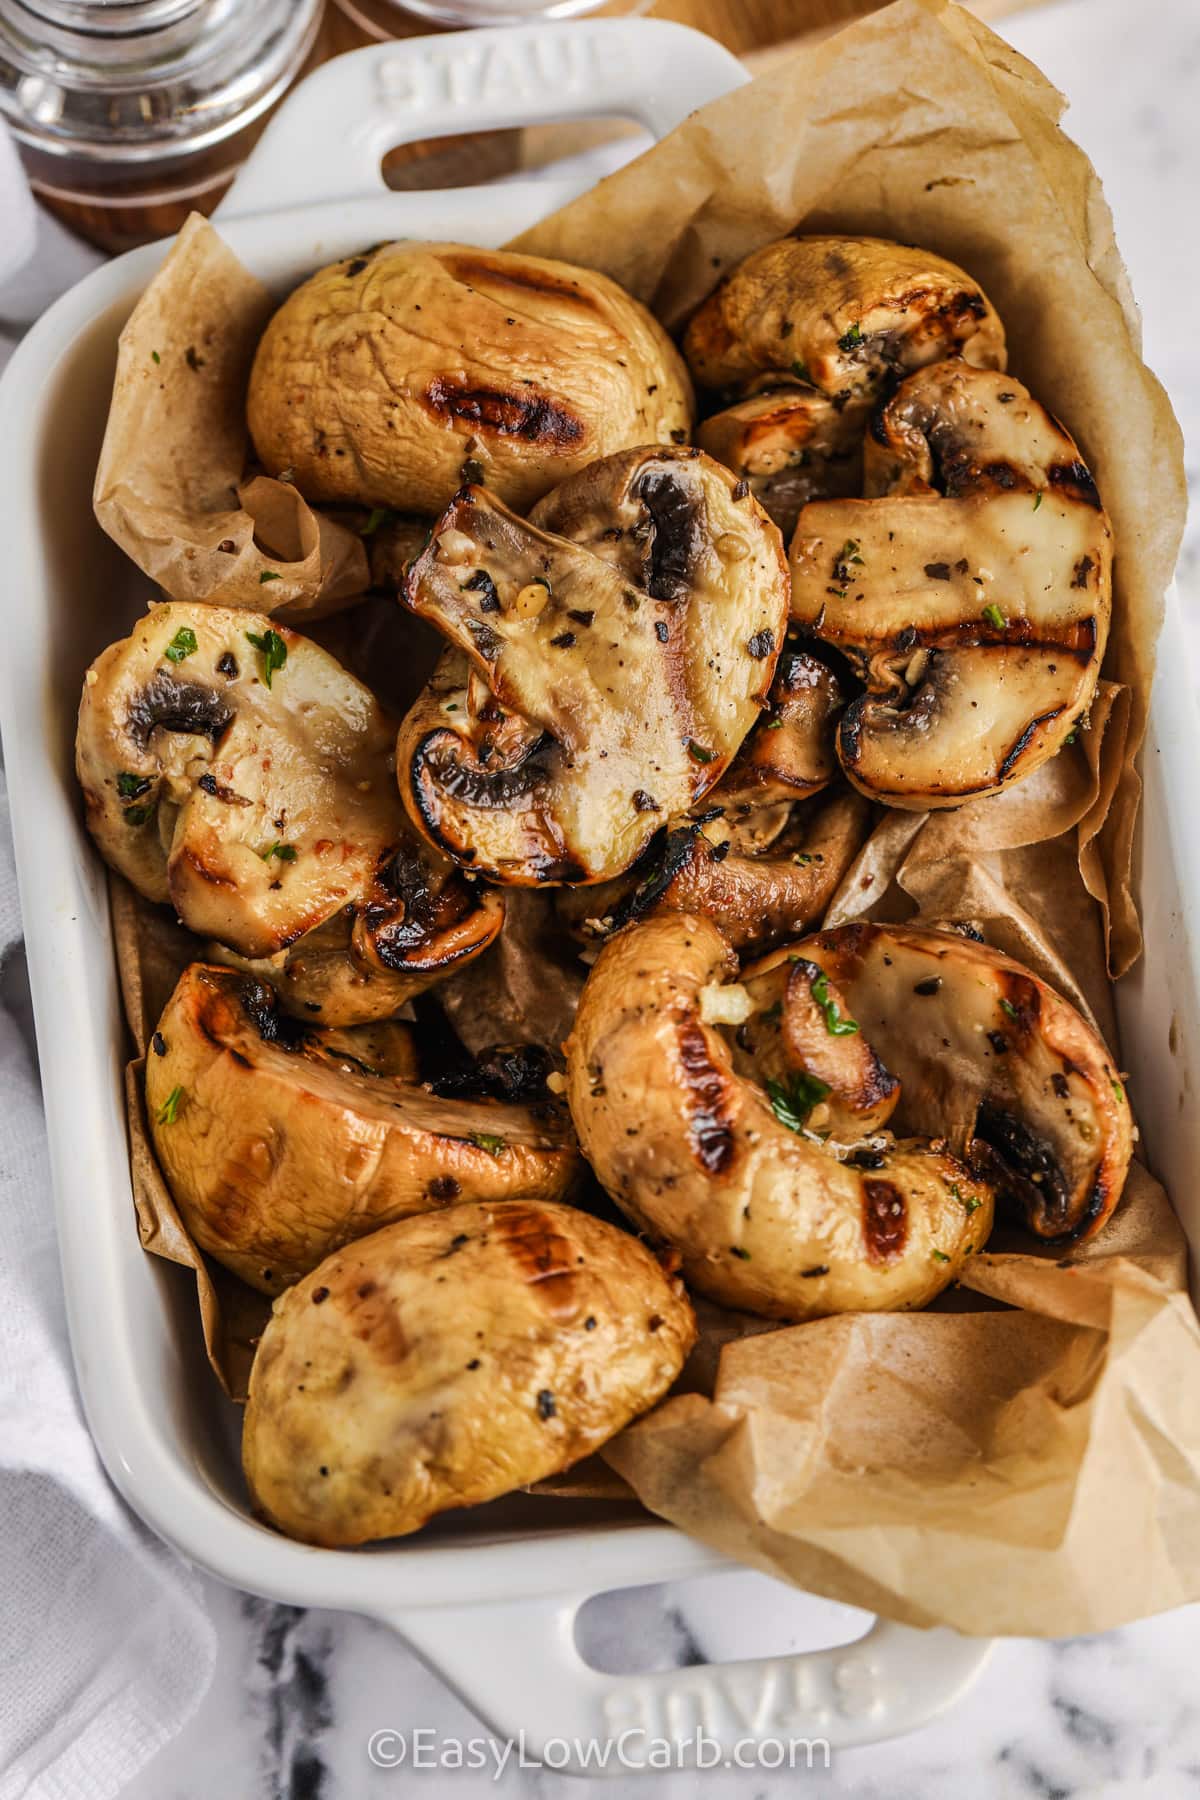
column 1025, row 1456
column 171, row 484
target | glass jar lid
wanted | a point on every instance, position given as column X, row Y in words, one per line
column 129, row 81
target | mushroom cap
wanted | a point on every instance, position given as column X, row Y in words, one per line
column 977, row 617
column 287, row 1142
column 764, row 1215
column 992, row 1057
column 600, row 705
column 385, row 375
column 449, row 1359
column 236, row 770
column 841, row 313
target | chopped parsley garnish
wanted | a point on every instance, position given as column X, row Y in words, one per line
column 849, row 551
column 995, row 617
column 269, row 575
column 1070, row 737
column 137, row 815
column 971, row 1202
column 181, row 645
column 800, row 371
column 1037, row 501
column 1119, row 1091
column 792, row 1100
column 285, row 852
column 851, row 339
column 130, row 786
column 773, row 725
column 486, row 1141
column 155, row 357
column 168, row 1112
column 940, row 1256
column 1006, row 1006
column 379, row 515
column 274, row 651
column 742, row 1255
column 835, row 1025
column 699, row 753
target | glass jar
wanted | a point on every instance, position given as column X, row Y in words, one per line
column 378, row 19
column 129, row 114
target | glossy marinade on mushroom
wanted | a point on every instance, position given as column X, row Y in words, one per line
column 452, row 1358
column 281, row 1142
column 802, row 338
column 832, row 1132
column 600, row 681
column 390, row 378
column 236, row 771
column 970, row 589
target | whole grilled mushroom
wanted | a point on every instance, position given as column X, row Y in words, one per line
column 971, row 590
column 763, row 1158
column 590, row 695
column 236, row 771
column 392, row 377
column 804, row 335
column 281, row 1143
column 452, row 1358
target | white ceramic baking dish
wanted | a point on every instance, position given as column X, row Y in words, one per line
column 490, row 1598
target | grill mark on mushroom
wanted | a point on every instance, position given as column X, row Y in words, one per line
column 533, row 419
column 543, row 1256
column 711, row 1116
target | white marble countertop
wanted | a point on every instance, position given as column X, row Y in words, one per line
column 297, row 1695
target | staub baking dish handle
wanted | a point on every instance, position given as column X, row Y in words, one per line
column 328, row 139
column 517, row 1664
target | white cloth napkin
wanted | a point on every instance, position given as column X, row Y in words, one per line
column 106, row 1648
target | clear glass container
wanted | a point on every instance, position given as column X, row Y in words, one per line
column 129, row 114
column 393, row 18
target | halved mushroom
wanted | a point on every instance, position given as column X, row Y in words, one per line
column 994, row 1059
column 754, row 900
column 804, row 334
column 595, row 706
column 766, row 1215
column 281, row 1143
column 972, row 592
column 237, row 771
column 392, row 377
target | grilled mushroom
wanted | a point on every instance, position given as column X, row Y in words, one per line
column 450, row 1359
column 281, row 1143
column 240, row 773
column 790, row 1198
column 755, row 900
column 789, row 754
column 804, row 334
column 391, row 377
column 766, row 1216
column 971, row 590
column 601, row 699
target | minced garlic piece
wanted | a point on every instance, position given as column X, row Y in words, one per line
column 725, row 1005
